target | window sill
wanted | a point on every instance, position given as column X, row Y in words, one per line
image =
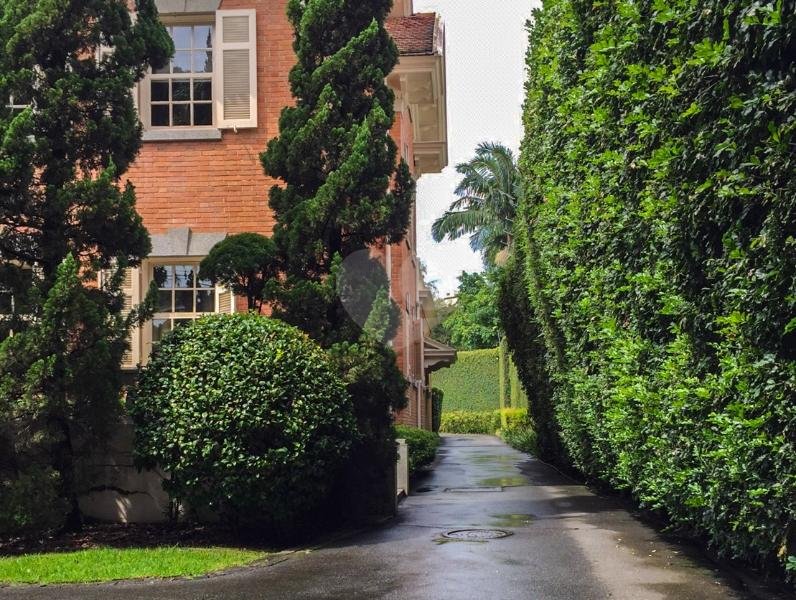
column 187, row 135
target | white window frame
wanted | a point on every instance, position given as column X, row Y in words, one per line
column 148, row 276
column 145, row 85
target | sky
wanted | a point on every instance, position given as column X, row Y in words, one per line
column 486, row 45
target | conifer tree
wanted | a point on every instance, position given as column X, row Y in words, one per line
column 344, row 191
column 68, row 132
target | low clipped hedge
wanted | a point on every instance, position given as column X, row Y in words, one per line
column 248, row 417
column 462, row 421
column 422, row 446
column 483, row 422
column 472, row 382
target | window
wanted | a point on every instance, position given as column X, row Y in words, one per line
column 183, row 296
column 181, row 93
column 209, row 84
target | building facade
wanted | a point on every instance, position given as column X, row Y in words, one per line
column 209, row 114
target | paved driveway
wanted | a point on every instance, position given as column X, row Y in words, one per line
column 565, row 543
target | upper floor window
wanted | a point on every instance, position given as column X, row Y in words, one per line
column 181, row 93
column 211, row 81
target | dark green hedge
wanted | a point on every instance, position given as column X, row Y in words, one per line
column 659, row 232
column 485, row 422
column 472, row 383
column 422, row 446
column 437, row 398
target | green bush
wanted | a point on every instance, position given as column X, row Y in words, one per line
column 247, row 416
column 437, row 396
column 659, row 237
column 520, row 437
column 30, row 502
column 517, row 430
column 527, row 346
column 422, row 446
column 472, row 383
column 460, row 421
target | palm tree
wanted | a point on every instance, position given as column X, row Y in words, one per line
column 489, row 194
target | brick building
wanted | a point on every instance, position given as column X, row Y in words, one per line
column 209, row 114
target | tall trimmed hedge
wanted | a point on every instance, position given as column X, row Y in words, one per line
column 472, row 383
column 659, row 234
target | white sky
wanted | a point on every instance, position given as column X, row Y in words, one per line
column 486, row 45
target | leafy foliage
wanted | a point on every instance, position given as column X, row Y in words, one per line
column 30, row 502
column 659, row 233
column 523, row 336
column 520, row 437
column 517, row 430
column 342, row 192
column 247, row 415
column 471, row 383
column 484, row 422
column 437, row 398
column 64, row 216
column 489, row 193
column 243, row 263
column 422, row 446
column 473, row 323
column 95, row 565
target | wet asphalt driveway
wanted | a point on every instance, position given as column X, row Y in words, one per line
column 565, row 543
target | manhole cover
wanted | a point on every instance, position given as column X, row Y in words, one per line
column 463, row 490
column 476, row 534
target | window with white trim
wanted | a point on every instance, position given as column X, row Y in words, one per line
column 183, row 296
column 211, row 81
column 181, row 93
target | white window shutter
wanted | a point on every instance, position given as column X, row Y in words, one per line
column 235, row 66
column 131, row 288
column 225, row 303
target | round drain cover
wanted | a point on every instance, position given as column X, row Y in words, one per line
column 476, row 534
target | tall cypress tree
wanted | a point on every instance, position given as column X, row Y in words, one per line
column 66, row 138
column 344, row 191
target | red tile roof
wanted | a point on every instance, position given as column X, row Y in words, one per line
column 414, row 35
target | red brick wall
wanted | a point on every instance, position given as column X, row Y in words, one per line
column 219, row 186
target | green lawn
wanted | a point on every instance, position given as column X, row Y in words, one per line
column 108, row 564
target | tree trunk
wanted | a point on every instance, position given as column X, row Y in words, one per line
column 63, row 459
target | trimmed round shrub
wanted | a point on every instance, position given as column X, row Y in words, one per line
column 247, row 416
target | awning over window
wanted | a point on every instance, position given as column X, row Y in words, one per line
column 437, row 355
